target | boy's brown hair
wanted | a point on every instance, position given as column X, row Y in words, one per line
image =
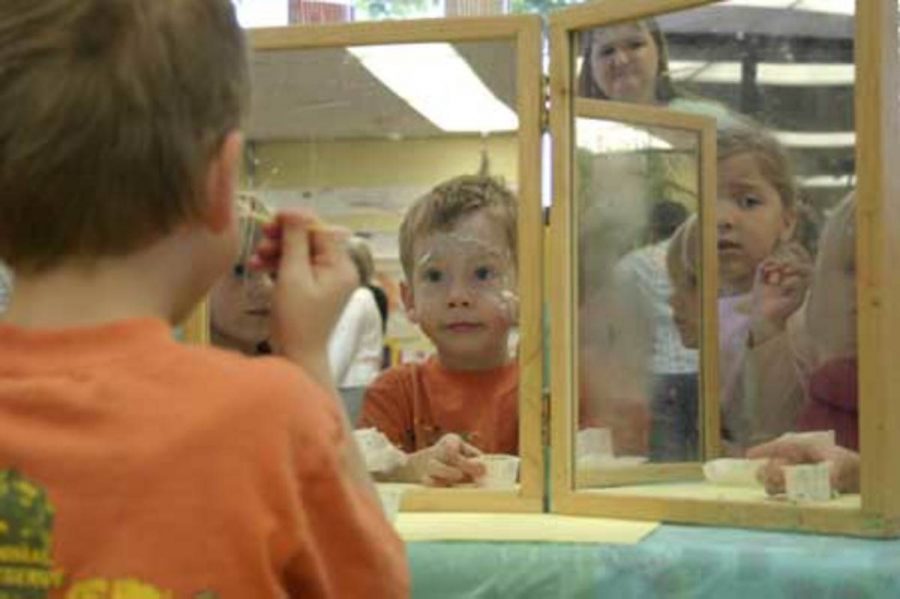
column 110, row 111
column 443, row 206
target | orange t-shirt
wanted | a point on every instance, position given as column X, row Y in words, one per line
column 414, row 405
column 134, row 466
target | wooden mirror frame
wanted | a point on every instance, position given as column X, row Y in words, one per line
column 525, row 33
column 876, row 511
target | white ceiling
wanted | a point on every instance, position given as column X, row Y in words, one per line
column 321, row 94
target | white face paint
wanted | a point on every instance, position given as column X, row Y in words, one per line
column 464, row 291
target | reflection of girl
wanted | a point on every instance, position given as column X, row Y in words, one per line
column 355, row 347
column 763, row 277
column 240, row 302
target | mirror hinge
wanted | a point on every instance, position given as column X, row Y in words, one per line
column 545, row 104
column 545, row 418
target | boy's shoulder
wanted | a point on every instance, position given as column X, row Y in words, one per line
column 267, row 383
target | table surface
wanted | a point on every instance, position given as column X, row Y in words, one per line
column 672, row 562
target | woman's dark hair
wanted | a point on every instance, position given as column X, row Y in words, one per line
column 665, row 90
column 381, row 300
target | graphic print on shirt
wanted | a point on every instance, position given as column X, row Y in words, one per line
column 26, row 539
column 124, row 588
column 26, row 551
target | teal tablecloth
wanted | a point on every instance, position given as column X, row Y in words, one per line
column 674, row 561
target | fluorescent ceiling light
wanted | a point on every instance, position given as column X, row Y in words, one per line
column 837, row 139
column 261, row 13
column 608, row 136
column 836, row 7
column 845, row 182
column 439, row 84
column 794, row 74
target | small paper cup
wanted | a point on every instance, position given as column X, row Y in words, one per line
column 808, row 482
column 500, row 471
column 390, row 497
column 593, row 441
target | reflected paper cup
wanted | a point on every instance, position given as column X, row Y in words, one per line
column 500, row 471
column 390, row 497
column 369, row 439
column 733, row 472
column 808, row 482
column 593, row 441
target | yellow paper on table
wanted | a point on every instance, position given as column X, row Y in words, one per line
column 441, row 526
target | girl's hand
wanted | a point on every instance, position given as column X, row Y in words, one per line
column 779, row 289
column 786, row 452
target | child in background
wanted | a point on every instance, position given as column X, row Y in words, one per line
column 458, row 251
column 355, row 347
column 830, row 327
column 673, row 411
column 763, row 276
column 682, row 262
column 829, row 338
column 178, row 470
column 241, row 301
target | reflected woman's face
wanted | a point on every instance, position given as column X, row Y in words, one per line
column 625, row 61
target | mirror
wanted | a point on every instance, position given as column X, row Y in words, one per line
column 359, row 134
column 639, row 388
column 778, row 80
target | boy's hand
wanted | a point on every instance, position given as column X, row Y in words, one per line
column 451, row 461
column 314, row 277
column 786, row 452
column 779, row 289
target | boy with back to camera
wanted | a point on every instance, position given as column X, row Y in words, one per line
column 458, row 252
column 162, row 468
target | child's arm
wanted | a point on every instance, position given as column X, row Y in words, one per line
column 784, row 452
column 778, row 291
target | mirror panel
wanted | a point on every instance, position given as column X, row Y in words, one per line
column 358, row 134
column 778, row 80
column 639, row 387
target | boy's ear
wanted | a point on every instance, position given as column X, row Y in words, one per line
column 221, row 183
column 409, row 302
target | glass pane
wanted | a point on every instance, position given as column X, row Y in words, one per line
column 359, row 134
column 778, row 78
column 638, row 388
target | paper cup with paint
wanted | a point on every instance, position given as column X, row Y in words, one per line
column 391, row 496
column 593, row 441
column 501, row 471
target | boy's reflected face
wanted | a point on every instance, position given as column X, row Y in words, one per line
column 463, row 292
column 240, row 305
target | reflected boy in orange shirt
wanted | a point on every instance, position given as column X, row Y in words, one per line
column 458, row 250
